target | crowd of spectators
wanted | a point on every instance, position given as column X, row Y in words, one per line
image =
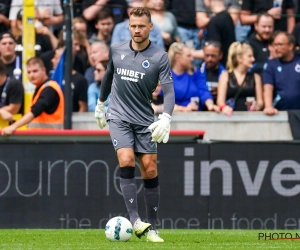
column 226, row 55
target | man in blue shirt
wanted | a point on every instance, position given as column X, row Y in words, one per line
column 121, row 31
column 211, row 68
column 281, row 76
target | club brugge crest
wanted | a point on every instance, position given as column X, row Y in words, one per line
column 297, row 68
column 146, row 64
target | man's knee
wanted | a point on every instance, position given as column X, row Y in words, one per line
column 126, row 158
column 151, row 172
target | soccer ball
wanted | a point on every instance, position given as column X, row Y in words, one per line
column 118, row 229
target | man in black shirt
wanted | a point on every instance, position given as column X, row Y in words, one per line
column 90, row 9
column 185, row 13
column 220, row 27
column 47, row 110
column 9, row 57
column 11, row 95
column 284, row 15
column 259, row 41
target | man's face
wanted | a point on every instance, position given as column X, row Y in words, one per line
column 36, row 74
column 140, row 28
column 212, row 56
column 98, row 52
column 282, row 46
column 7, row 47
column 105, row 26
column 264, row 28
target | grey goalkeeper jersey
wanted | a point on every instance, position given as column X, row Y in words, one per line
column 135, row 77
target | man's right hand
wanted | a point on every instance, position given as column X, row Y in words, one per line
column 100, row 114
column 270, row 111
column 8, row 130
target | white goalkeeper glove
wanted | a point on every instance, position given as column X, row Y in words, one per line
column 100, row 114
column 161, row 128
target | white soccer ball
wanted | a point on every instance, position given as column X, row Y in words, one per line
column 118, row 229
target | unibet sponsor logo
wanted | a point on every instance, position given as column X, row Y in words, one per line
column 130, row 75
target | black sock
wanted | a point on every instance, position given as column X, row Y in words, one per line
column 128, row 187
column 151, row 196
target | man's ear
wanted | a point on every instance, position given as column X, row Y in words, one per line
column 151, row 26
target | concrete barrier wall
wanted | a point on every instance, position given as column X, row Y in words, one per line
column 241, row 126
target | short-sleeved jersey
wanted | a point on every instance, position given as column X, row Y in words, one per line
column 285, row 77
column 135, row 77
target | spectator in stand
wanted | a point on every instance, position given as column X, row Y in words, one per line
column 91, row 8
column 283, row 13
column 47, row 109
column 121, row 31
column 191, row 92
column 44, row 38
column 79, row 85
column 9, row 56
column 98, row 52
column 242, row 89
column 12, row 94
column 48, row 13
column 80, row 58
column 281, row 76
column 4, row 13
column 104, row 25
column 212, row 68
column 80, row 25
column 220, row 27
column 80, row 51
column 259, row 40
column 165, row 20
column 185, row 13
column 204, row 14
column 94, row 89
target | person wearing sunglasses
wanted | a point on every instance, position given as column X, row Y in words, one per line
column 94, row 88
column 281, row 76
column 212, row 68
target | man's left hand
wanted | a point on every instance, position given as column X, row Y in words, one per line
column 161, row 128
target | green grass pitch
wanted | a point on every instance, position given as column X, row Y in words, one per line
column 174, row 239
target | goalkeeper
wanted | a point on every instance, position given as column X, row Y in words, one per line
column 133, row 72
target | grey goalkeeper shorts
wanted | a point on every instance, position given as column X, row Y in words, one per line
column 126, row 135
